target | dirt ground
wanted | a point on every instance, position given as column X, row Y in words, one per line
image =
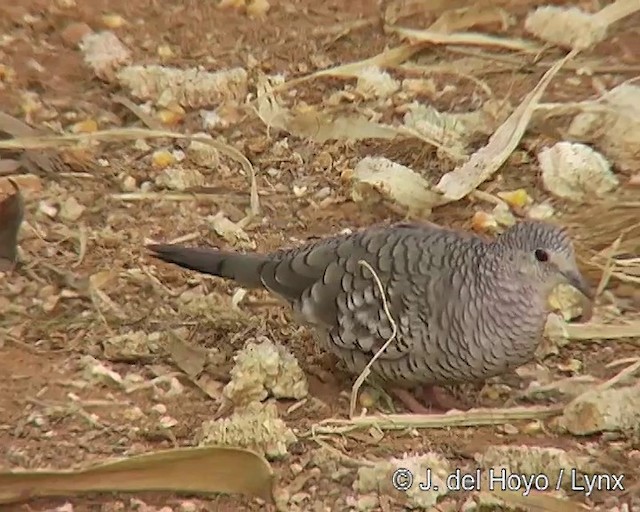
column 50, row 417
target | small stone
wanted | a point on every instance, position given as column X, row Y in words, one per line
column 178, row 178
column 71, row 209
column 48, row 209
column 509, row 429
column 367, row 502
column 203, row 154
column 159, row 408
column 129, row 184
column 146, row 186
column 168, row 422
column 113, row 21
column 188, row 506
column 74, row 33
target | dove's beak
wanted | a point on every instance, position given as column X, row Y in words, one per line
column 577, row 280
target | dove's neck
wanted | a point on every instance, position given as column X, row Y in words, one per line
column 502, row 268
column 514, row 306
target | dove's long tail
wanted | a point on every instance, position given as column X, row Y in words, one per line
column 244, row 269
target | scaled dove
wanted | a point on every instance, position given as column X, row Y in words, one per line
column 466, row 308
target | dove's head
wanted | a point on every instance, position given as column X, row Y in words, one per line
column 541, row 255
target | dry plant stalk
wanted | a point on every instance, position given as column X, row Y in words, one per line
column 464, row 38
column 470, row 418
column 620, row 376
column 390, row 57
column 608, row 266
column 48, row 141
column 367, row 370
column 487, row 160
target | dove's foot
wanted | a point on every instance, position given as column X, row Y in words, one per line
column 414, row 405
column 441, row 399
column 434, row 400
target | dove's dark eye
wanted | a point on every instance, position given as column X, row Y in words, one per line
column 542, row 255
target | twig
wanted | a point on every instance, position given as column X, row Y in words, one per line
column 595, row 332
column 367, row 369
column 149, row 121
column 558, row 385
column 344, row 458
column 168, row 196
column 473, row 417
column 608, row 266
column 185, row 238
column 83, row 241
column 619, row 377
column 481, row 195
column 156, row 283
column 620, row 362
column 46, row 141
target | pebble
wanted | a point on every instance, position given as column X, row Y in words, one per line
column 73, row 33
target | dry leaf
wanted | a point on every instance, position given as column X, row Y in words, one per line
column 487, row 160
column 315, row 125
column 466, row 38
column 192, row 361
column 470, row 16
column 217, row 469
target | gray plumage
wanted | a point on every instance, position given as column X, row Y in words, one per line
column 466, row 308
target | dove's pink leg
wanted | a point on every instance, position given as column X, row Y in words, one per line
column 434, row 400
column 413, row 404
column 441, row 399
